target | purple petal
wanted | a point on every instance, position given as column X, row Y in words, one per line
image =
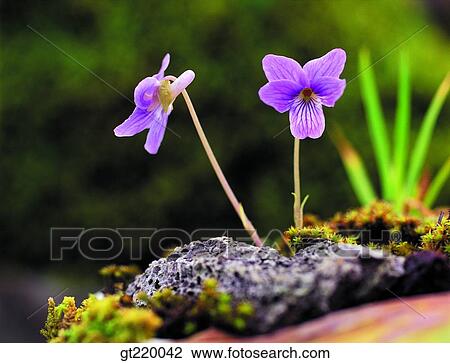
column 277, row 67
column 330, row 65
column 307, row 119
column 329, row 89
column 156, row 130
column 164, row 64
column 279, row 94
column 145, row 92
column 137, row 122
column 181, row 83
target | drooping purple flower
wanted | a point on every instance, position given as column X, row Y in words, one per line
column 303, row 90
column 153, row 97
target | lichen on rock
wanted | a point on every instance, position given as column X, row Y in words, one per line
column 319, row 278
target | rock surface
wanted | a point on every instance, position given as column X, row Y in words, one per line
column 284, row 291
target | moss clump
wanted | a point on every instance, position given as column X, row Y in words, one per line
column 116, row 277
column 172, row 308
column 371, row 223
column 298, row 238
column 436, row 237
column 376, row 226
column 120, row 271
column 164, row 314
column 402, row 248
column 220, row 307
column 379, row 226
column 185, row 315
column 101, row 320
column 60, row 317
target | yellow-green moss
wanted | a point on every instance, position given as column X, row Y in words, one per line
column 184, row 315
column 116, row 277
column 120, row 271
column 165, row 314
column 105, row 320
column 401, row 248
column 380, row 226
column 436, row 237
column 60, row 317
column 298, row 238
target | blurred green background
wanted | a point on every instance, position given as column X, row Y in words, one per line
column 61, row 166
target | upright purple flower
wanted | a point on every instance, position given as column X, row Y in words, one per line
column 154, row 97
column 303, row 91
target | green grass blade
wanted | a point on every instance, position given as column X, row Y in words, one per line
column 354, row 166
column 402, row 128
column 376, row 124
column 437, row 184
column 422, row 144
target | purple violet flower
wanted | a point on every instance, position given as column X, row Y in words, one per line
column 303, row 91
column 154, row 97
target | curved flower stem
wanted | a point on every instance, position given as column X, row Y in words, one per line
column 223, row 181
column 298, row 208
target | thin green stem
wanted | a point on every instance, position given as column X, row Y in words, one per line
column 223, row 181
column 298, row 210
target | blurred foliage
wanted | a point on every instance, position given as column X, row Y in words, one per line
column 61, row 165
column 394, row 166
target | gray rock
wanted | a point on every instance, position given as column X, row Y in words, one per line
column 320, row 278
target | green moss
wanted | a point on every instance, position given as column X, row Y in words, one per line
column 380, row 226
column 369, row 222
column 185, row 315
column 51, row 326
column 173, row 309
column 60, row 317
column 120, row 271
column 436, row 237
column 116, row 277
column 245, row 309
column 103, row 320
column 401, row 248
column 375, row 226
column 447, row 249
column 301, row 238
column 164, row 314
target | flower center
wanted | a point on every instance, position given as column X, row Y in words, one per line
column 164, row 94
column 306, row 94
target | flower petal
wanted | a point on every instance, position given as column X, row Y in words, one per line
column 144, row 93
column 137, row 122
column 279, row 94
column 277, row 67
column 156, row 130
column 307, row 119
column 329, row 89
column 181, row 83
column 164, row 64
column 330, row 65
